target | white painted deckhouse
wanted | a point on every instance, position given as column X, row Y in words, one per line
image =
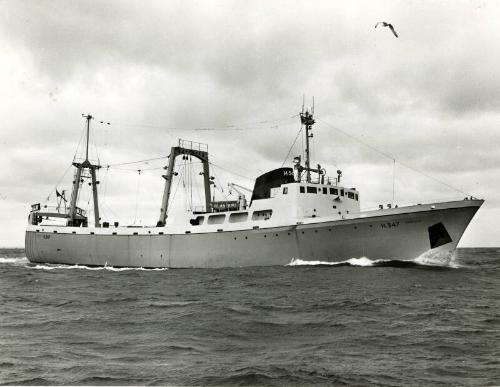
column 290, row 215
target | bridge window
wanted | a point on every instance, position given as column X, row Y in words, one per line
column 238, row 217
column 342, row 192
column 357, row 197
column 325, row 190
column 262, row 215
column 285, row 190
column 334, row 191
column 312, row 190
column 302, row 189
column 350, row 195
column 216, row 219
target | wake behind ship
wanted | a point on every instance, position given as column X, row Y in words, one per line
column 295, row 212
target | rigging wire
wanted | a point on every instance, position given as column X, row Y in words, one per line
column 394, row 159
column 231, row 172
column 137, row 195
column 137, row 162
column 191, row 180
column 290, row 150
column 92, row 136
column 59, row 182
column 105, row 187
column 239, row 127
column 180, row 170
column 135, row 170
column 302, row 146
column 220, row 187
column 78, row 145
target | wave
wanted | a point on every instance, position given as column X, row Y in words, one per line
column 17, row 260
column 429, row 258
column 49, row 266
column 173, row 304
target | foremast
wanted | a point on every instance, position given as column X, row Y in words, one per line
column 80, row 168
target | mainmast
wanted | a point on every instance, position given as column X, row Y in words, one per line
column 307, row 120
column 81, row 167
column 185, row 148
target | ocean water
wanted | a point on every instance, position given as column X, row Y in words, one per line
column 358, row 323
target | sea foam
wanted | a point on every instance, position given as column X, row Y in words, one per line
column 429, row 258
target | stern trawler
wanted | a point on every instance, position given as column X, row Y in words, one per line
column 294, row 212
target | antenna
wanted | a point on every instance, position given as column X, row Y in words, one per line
column 312, row 110
column 303, row 102
column 308, row 121
column 88, row 117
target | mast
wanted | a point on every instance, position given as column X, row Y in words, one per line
column 88, row 117
column 197, row 150
column 307, row 120
column 81, row 167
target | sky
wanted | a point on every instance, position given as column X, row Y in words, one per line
column 419, row 112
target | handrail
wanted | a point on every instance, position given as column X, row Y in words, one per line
column 187, row 144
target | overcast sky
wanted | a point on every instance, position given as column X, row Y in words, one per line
column 157, row 70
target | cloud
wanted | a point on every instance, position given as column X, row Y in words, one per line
column 158, row 70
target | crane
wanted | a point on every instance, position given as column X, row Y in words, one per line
column 241, row 196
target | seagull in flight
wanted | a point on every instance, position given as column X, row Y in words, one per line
column 384, row 24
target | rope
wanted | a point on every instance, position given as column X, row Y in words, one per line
column 394, row 159
column 78, row 145
column 234, row 173
column 240, row 127
column 180, row 170
column 136, row 162
column 290, row 150
column 137, row 195
column 59, row 182
column 92, row 136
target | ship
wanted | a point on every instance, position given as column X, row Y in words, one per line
column 294, row 213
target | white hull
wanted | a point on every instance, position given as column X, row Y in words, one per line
column 398, row 233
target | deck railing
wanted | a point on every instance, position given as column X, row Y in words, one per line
column 199, row 146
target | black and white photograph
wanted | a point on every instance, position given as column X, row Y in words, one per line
column 250, row 193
